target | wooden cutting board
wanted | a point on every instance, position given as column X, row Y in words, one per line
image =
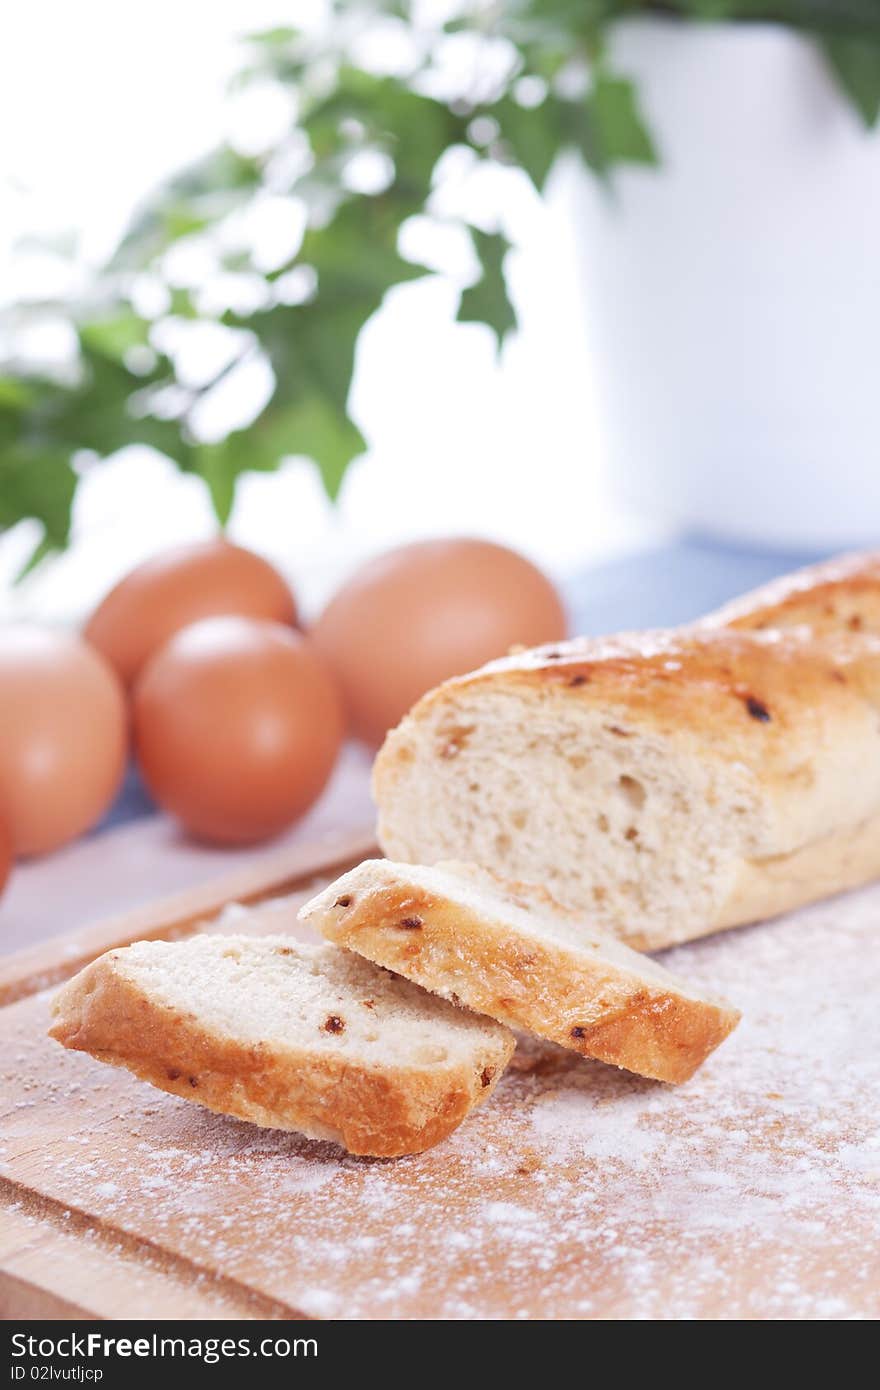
column 577, row 1192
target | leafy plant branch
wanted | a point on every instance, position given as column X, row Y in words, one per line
column 364, row 151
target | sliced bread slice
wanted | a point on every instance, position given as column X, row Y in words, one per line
column 512, row 952
column 288, row 1035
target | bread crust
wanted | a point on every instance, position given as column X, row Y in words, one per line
column 590, row 1005
column 382, row 1112
column 838, row 596
column 768, row 701
column 759, row 698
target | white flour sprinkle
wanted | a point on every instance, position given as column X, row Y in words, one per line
column 751, row 1192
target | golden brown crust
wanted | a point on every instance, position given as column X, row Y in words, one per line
column 791, row 709
column 753, row 691
column 838, row 596
column 729, row 677
column 580, row 1001
column 383, row 1112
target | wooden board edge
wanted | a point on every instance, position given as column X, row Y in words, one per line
column 49, row 962
column 21, row 1300
column 59, row 1263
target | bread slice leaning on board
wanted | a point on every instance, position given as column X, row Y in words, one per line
column 288, row 1035
column 664, row 784
column 510, row 951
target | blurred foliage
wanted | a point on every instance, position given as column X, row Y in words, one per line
column 534, row 78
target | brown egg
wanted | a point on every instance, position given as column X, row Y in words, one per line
column 177, row 588
column 5, row 855
column 237, row 727
column 63, row 737
column 414, row 617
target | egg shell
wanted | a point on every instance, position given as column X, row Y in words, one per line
column 177, row 588
column 417, row 615
column 237, row 726
column 63, row 737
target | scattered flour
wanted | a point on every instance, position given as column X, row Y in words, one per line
column 578, row 1191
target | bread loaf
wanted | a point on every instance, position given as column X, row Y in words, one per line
column 836, row 597
column 510, row 951
column 287, row 1035
column 665, row 785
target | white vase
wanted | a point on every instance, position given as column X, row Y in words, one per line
column 733, row 294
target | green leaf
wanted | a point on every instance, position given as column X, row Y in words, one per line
column 181, row 304
column 14, row 393
column 319, row 430
column 311, row 347
column 615, row 132
column 534, row 136
column 313, row 427
column 356, row 255
column 856, row 65
column 41, row 551
column 114, row 335
column 39, row 484
column 98, row 415
column 487, row 301
column 278, row 37
column 217, row 464
column 250, row 450
column 196, row 197
column 414, row 129
column 43, row 418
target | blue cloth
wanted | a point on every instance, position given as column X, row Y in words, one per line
column 132, row 803
column 658, row 588
column 672, row 584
